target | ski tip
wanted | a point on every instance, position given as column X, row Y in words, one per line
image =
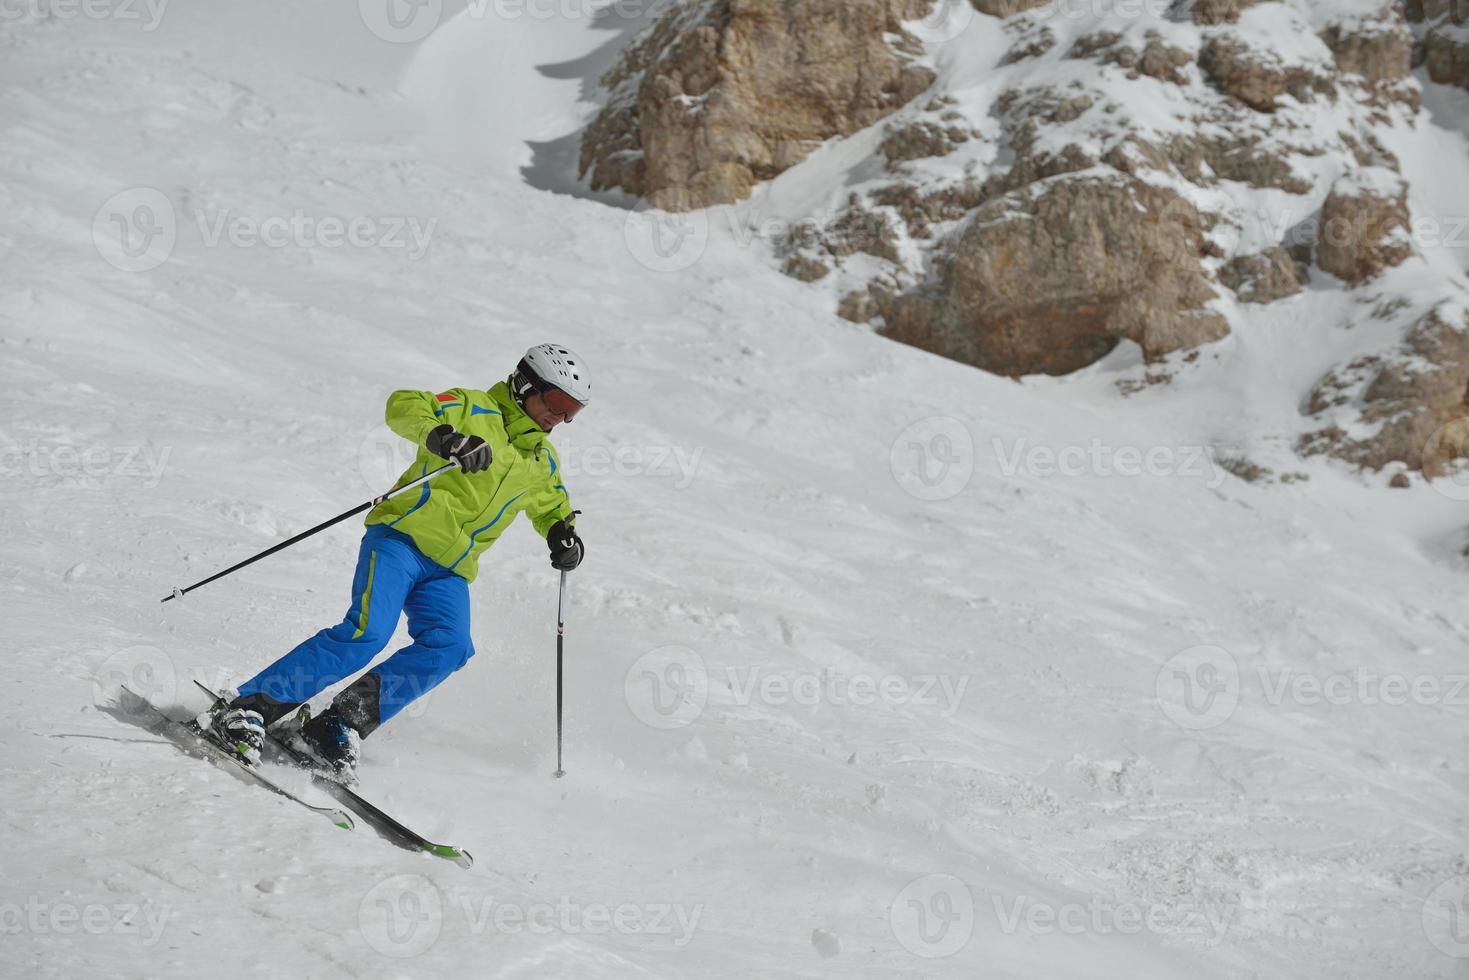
column 343, row 819
column 458, row 855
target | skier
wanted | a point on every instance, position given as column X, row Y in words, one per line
column 420, row 553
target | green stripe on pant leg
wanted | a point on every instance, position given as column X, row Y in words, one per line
column 366, row 598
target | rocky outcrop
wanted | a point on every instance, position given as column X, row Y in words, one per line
column 1256, row 77
column 997, row 239
column 1443, row 49
column 1364, row 226
column 1032, row 41
column 1265, row 276
column 1156, row 59
column 1026, row 115
column 921, row 210
column 1212, row 13
column 811, row 250
column 1242, row 158
column 1050, row 278
column 1006, row 8
column 1413, row 400
column 921, row 139
column 1454, row 11
column 722, row 94
column 1446, row 57
column 1088, row 45
column 1207, row 160
column 1379, row 52
column 1082, row 188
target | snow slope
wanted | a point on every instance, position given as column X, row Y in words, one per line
column 862, row 680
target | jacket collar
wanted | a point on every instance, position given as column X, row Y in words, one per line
column 521, row 428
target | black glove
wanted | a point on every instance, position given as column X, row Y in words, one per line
column 566, row 547
column 471, row 452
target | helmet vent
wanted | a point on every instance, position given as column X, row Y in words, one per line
column 553, row 366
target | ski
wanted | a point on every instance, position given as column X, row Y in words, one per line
column 390, row 828
column 194, row 741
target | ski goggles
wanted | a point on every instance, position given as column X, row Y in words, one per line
column 561, row 403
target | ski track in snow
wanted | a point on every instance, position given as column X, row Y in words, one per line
column 231, row 397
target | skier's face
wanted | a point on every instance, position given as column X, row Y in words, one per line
column 542, row 413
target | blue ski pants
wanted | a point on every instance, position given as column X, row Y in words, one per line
column 393, row 577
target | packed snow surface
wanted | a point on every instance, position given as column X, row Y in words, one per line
column 878, row 665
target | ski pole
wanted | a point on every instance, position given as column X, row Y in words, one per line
column 560, row 636
column 180, row 593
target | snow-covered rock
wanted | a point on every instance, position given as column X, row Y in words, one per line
column 718, row 95
column 1271, row 138
column 1364, row 225
column 1050, row 278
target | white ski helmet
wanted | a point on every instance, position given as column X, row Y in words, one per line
column 552, row 366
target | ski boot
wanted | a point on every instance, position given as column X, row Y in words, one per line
column 334, row 743
column 238, row 726
column 288, row 729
